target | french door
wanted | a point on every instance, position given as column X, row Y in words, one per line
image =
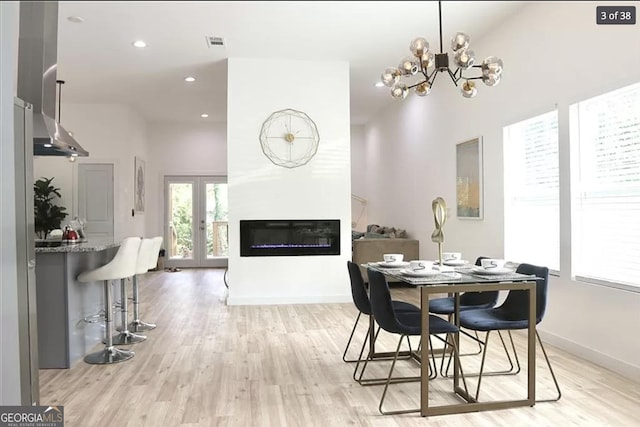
column 196, row 231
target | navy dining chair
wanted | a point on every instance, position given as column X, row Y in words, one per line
column 362, row 303
column 512, row 314
column 406, row 325
column 471, row 301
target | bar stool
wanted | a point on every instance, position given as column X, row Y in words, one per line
column 147, row 259
column 122, row 265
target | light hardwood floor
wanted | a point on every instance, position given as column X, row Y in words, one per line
column 207, row 364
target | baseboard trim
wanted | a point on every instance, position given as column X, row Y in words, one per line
column 325, row 299
column 619, row 366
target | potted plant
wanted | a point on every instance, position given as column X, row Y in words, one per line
column 48, row 216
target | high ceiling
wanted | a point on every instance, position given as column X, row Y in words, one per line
column 99, row 64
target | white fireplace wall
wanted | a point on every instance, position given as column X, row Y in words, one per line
column 260, row 190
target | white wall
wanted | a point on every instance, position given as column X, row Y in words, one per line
column 359, row 208
column 112, row 133
column 181, row 149
column 260, row 190
column 554, row 55
column 9, row 351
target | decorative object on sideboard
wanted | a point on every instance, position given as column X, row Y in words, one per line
column 48, row 215
column 421, row 70
column 439, row 208
column 289, row 138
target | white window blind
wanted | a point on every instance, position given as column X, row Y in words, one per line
column 531, row 191
column 605, row 133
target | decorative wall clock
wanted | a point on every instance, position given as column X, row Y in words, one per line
column 289, row 138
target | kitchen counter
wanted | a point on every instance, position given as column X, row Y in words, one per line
column 63, row 302
column 92, row 245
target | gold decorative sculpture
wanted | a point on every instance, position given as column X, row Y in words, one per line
column 439, row 208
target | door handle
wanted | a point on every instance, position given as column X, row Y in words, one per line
column 31, row 264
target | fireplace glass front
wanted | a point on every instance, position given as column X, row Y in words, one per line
column 289, row 237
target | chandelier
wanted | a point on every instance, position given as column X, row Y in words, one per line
column 426, row 65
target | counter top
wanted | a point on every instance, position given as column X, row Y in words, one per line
column 92, row 245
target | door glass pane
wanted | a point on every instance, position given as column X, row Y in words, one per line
column 181, row 221
column 216, row 220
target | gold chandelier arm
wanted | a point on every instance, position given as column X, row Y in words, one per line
column 440, row 23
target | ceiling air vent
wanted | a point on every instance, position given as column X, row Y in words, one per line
column 214, row 41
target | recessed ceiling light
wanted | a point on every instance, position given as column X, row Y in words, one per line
column 139, row 43
column 379, row 84
column 204, row 115
column 75, row 19
column 189, row 79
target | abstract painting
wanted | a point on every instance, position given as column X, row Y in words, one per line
column 469, row 179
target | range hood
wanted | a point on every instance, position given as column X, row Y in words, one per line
column 37, row 69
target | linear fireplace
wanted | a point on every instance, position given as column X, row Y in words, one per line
column 289, row 237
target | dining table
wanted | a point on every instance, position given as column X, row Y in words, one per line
column 454, row 281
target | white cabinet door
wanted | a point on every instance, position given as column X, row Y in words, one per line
column 95, row 198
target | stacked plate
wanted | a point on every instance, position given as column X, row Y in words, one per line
column 491, row 271
column 419, row 273
column 395, row 264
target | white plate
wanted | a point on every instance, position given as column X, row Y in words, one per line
column 393, row 264
column 454, row 262
column 419, row 273
column 492, row 271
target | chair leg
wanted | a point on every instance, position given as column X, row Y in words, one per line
column 360, row 380
column 457, row 355
column 433, row 368
column 509, row 371
column 355, row 325
column 109, row 354
column 515, row 353
column 138, row 325
column 125, row 337
column 484, row 355
column 553, row 375
column 369, row 357
column 386, row 386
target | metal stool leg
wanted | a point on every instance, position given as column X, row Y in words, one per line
column 126, row 337
column 109, row 354
column 138, row 325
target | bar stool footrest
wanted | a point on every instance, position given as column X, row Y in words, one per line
column 95, row 318
column 126, row 338
column 140, row 326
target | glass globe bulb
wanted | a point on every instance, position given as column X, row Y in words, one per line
column 464, row 58
column 460, row 41
column 468, row 89
column 492, row 65
column 408, row 66
column 423, row 89
column 426, row 60
column 399, row 91
column 492, row 79
column 390, row 76
column 419, row 46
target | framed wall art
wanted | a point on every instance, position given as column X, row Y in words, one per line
column 469, row 203
column 138, row 185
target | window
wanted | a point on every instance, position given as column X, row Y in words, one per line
column 531, row 191
column 605, row 137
